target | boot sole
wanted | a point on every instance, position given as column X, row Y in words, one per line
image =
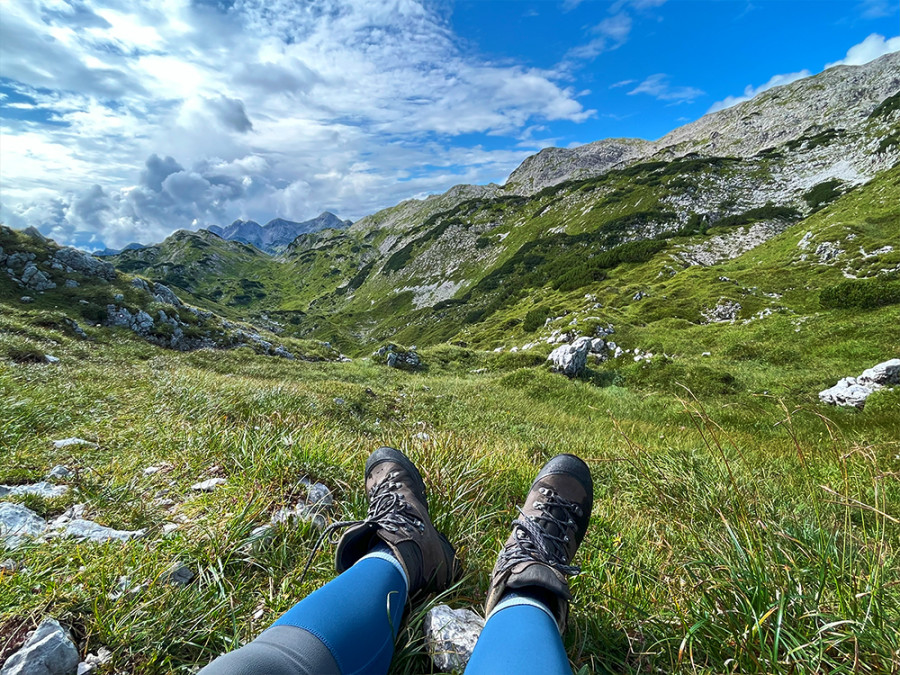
column 386, row 454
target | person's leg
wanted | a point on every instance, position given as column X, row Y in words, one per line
column 528, row 599
column 347, row 626
column 520, row 636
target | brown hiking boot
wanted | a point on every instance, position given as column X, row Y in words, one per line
column 398, row 516
column 538, row 554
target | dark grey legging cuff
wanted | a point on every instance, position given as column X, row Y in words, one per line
column 280, row 650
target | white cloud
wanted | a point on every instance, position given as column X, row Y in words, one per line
column 868, row 50
column 750, row 91
column 611, row 33
column 873, row 47
column 876, row 9
column 273, row 107
column 659, row 87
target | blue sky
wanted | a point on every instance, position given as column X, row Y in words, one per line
column 124, row 121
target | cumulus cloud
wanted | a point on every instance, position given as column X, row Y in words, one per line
column 873, row 47
column 868, row 50
column 751, row 91
column 147, row 118
column 659, row 87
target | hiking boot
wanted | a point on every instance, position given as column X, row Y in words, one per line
column 536, row 559
column 398, row 516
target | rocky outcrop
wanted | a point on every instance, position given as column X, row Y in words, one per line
column 49, row 650
column 853, row 391
column 730, row 245
column 556, row 165
column 840, row 98
column 725, row 311
column 160, row 292
column 397, row 357
column 571, row 359
column 72, row 260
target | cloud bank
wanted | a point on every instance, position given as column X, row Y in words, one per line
column 266, row 108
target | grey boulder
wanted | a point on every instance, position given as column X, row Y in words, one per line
column 450, row 636
column 48, row 651
column 571, row 359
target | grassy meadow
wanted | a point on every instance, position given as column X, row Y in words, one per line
column 739, row 525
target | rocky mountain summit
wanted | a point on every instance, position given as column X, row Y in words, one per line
column 839, row 100
column 275, row 235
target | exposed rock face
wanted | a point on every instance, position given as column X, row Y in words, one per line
column 48, row 651
column 555, row 165
column 450, row 636
column 839, row 98
column 732, row 244
column 853, row 391
column 164, row 294
column 570, row 359
column 73, row 260
column 36, row 280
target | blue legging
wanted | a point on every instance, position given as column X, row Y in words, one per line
column 348, row 627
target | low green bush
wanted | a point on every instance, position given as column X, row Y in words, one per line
column 822, row 194
column 861, row 293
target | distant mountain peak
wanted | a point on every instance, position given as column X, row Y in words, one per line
column 275, row 235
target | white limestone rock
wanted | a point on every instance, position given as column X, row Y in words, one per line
column 853, row 391
column 67, row 442
column 207, row 485
column 40, row 489
column 60, row 472
column 570, row 359
column 88, row 530
column 883, row 374
column 17, row 523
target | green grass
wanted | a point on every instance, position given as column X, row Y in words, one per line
column 734, row 531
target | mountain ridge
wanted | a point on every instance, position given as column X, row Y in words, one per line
column 277, row 233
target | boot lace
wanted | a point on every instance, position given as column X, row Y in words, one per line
column 534, row 540
column 388, row 509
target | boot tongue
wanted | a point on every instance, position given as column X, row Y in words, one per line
column 542, row 576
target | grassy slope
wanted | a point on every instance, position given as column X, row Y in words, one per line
column 717, row 540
